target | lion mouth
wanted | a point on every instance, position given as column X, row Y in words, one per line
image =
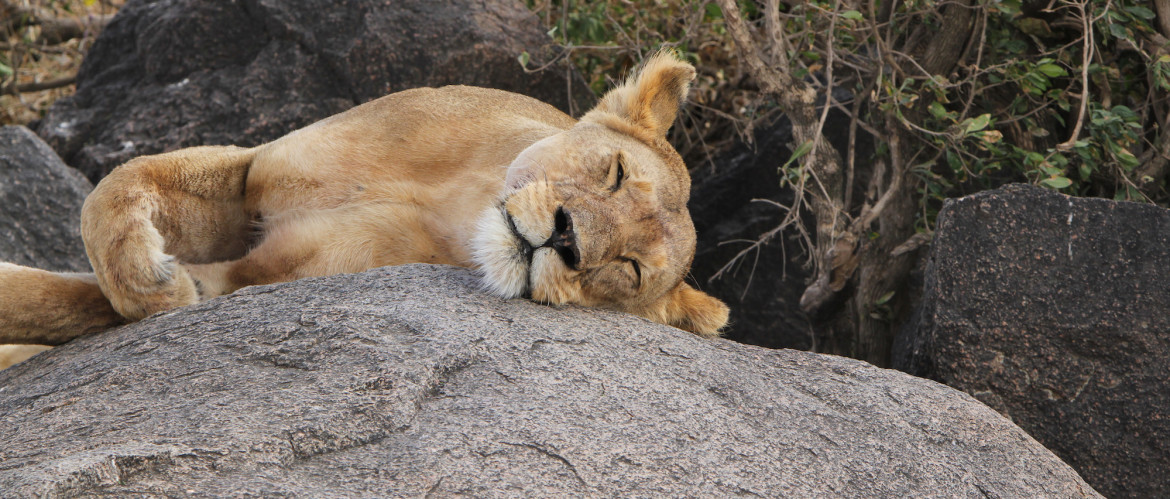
column 526, row 248
column 502, row 254
column 526, row 251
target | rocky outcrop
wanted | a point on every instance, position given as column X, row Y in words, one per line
column 1052, row 310
column 411, row 381
column 171, row 74
column 40, row 205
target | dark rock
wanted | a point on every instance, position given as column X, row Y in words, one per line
column 1052, row 310
column 176, row 73
column 731, row 207
column 40, row 205
column 410, row 380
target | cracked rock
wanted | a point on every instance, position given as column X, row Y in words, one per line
column 1052, row 310
column 406, row 381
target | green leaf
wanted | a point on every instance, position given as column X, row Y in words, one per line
column 1124, row 112
column 1142, row 12
column 523, row 58
column 1057, row 182
column 884, row 299
column 953, row 160
column 1119, row 31
column 1035, row 27
column 5, row 70
column 978, row 123
column 713, row 11
column 1052, row 70
column 937, row 109
column 1127, row 160
column 800, row 152
column 852, row 15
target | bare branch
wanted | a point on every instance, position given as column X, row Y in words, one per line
column 818, row 135
column 45, row 85
column 916, row 241
column 835, row 247
column 57, row 30
column 776, row 33
column 899, row 171
column 1087, row 56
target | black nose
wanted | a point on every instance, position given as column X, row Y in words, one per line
column 563, row 239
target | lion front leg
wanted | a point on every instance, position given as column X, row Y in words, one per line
column 155, row 212
column 128, row 254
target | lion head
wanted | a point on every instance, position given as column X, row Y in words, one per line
column 597, row 215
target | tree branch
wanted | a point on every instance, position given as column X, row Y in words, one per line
column 835, row 247
column 58, row 30
column 1087, row 56
column 38, row 86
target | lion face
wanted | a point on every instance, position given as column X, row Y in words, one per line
column 597, row 216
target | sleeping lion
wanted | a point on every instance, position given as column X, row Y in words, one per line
column 590, row 212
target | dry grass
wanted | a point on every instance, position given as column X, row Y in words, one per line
column 27, row 59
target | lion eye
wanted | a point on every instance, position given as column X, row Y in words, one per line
column 637, row 269
column 621, row 174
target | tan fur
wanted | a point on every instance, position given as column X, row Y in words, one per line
column 426, row 175
column 11, row 355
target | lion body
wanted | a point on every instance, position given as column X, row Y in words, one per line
column 456, row 175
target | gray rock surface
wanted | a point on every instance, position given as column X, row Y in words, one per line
column 40, row 205
column 411, row 381
column 1053, row 311
column 166, row 74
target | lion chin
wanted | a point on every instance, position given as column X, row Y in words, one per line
column 521, row 264
column 513, row 265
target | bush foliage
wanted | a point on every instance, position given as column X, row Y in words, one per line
column 959, row 96
column 1010, row 110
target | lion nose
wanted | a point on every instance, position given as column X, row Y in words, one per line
column 563, row 239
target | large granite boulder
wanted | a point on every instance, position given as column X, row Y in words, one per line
column 1053, row 311
column 166, row 74
column 412, row 381
column 40, row 205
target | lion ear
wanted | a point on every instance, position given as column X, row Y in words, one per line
column 651, row 97
column 692, row 310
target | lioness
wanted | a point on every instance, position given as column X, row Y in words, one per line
column 591, row 212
